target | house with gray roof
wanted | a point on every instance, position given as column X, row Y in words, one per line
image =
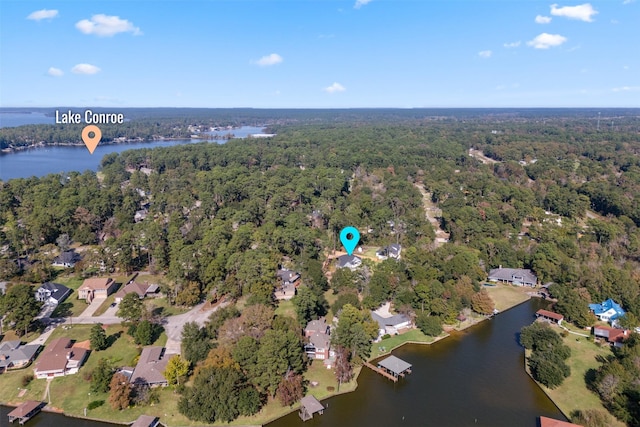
column 14, row 355
column 150, row 367
column 52, row 293
column 66, row 259
column 393, row 324
column 351, row 262
column 515, row 276
column 391, row 251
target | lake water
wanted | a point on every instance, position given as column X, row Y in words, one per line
column 55, row 159
column 11, row 119
column 474, row 378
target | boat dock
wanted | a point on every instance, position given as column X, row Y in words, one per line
column 391, row 368
column 26, row 411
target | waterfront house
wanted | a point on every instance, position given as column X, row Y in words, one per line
column 66, row 259
column 550, row 422
column 14, row 355
column 607, row 311
column 391, row 251
column 52, row 293
column 60, row 358
column 549, row 316
column 613, row 336
column 514, row 276
column 318, row 340
column 391, row 325
column 141, row 289
column 351, row 262
column 150, row 367
column 96, row 287
column 146, row 421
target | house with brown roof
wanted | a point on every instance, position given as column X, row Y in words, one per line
column 549, row 316
column 96, row 287
column 551, row 422
column 141, row 289
column 60, row 358
column 613, row 336
column 150, row 367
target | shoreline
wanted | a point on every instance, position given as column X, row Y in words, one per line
column 357, row 371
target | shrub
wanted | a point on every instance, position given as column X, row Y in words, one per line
column 330, row 388
column 95, row 404
column 26, row 379
column 385, row 336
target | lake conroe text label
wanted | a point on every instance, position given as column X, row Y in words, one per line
column 89, row 117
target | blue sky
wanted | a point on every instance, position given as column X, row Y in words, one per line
column 325, row 54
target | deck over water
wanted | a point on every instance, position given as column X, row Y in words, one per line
column 381, row 372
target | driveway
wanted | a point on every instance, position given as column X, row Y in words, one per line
column 95, row 304
column 173, row 325
column 111, row 311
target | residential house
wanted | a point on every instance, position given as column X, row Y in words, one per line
column 391, row 325
column 3, row 287
column 288, row 281
column 515, row 276
column 52, row 293
column 150, row 367
column 318, row 340
column 66, row 259
column 391, row 251
column 96, row 287
column 60, row 358
column 550, row 316
column 146, row 421
column 141, row 289
column 14, row 355
column 613, row 336
column 351, row 262
column 140, row 215
column 607, row 311
column 552, row 422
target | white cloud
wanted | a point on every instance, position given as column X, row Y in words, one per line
column 546, row 40
column 39, row 15
column 543, row 19
column 582, row 12
column 628, row 1
column 335, row 87
column 106, row 26
column 626, row 89
column 269, row 60
column 85, row 69
column 55, row 72
column 512, row 44
column 360, row 3
column 485, row 54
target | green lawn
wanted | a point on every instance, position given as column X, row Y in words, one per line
column 286, row 308
column 573, row 393
column 161, row 307
column 11, row 385
column 72, row 306
column 387, row 345
column 507, row 296
column 105, row 305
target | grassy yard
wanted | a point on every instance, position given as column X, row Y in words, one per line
column 105, row 305
column 286, row 308
column 507, row 296
column 387, row 345
column 161, row 307
column 573, row 393
column 11, row 386
column 72, row 306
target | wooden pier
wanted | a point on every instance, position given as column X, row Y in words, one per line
column 26, row 411
column 391, row 368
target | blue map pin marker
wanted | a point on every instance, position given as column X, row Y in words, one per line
column 349, row 236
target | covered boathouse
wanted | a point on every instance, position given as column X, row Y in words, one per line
column 309, row 405
column 392, row 367
column 26, row 411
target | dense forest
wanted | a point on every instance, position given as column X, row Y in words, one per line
column 557, row 193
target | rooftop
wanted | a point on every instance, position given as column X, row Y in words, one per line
column 96, row 283
column 394, row 364
column 312, row 404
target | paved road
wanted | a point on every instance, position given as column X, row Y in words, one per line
column 173, row 325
